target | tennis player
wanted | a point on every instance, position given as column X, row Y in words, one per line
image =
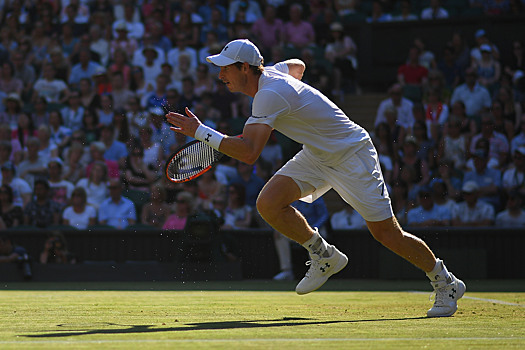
column 337, row 153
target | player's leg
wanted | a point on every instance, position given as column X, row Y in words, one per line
column 447, row 287
column 274, row 205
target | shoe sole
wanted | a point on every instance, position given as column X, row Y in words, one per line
column 462, row 288
column 341, row 264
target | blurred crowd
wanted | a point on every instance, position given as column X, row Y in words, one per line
column 85, row 85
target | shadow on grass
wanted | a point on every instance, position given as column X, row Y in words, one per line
column 284, row 322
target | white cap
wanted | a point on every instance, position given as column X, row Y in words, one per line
column 470, row 186
column 240, row 50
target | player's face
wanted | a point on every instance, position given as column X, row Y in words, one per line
column 233, row 77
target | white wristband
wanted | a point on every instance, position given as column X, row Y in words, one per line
column 209, row 136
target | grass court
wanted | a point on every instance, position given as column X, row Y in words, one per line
column 344, row 314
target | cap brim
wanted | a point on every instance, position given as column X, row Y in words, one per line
column 220, row 60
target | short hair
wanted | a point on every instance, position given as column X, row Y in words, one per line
column 42, row 182
column 9, row 191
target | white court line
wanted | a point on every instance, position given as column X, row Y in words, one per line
column 265, row 340
column 495, row 301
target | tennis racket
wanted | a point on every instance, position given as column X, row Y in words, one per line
column 191, row 161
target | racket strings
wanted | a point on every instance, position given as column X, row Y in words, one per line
column 192, row 161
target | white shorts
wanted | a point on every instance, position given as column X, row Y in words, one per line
column 358, row 180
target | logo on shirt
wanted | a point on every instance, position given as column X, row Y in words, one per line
column 259, row 117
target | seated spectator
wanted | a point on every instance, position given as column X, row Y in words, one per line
column 153, row 152
column 21, row 189
column 42, row 211
column 184, row 207
column 12, row 108
column 487, row 179
column 502, row 125
column 511, row 107
column 347, row 219
column 519, row 139
column 115, row 150
column 106, row 112
column 453, row 146
column 16, row 148
column 60, row 135
column 409, row 158
column 498, row 143
column 156, row 211
column 96, row 184
column 32, row 167
column 513, row 180
column 513, row 215
column 56, row 252
column 74, row 168
column 209, row 188
column 434, row 11
column 472, row 212
column 341, row 52
column 251, row 182
column 450, row 176
column 48, row 149
column 53, row 90
column 238, row 214
column 441, row 196
column 488, row 68
column 24, row 129
column 79, row 214
column 474, row 96
column 427, row 213
column 60, row 189
column 138, row 176
column 412, row 76
column 10, row 215
column 405, row 117
column 12, row 253
column 117, row 211
column 436, row 113
column 73, row 112
column 298, row 33
column 378, row 13
column 400, row 203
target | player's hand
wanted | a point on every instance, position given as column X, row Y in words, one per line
column 184, row 124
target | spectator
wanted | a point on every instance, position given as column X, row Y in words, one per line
column 21, row 189
column 403, row 106
column 182, row 47
column 513, row 215
column 488, row 68
column 238, row 214
column 434, row 11
column 488, row 180
column 89, row 98
column 184, row 207
column 33, row 166
column 378, row 13
column 99, row 44
column 61, row 64
column 115, row 150
column 482, row 39
column 117, row 211
column 427, row 213
column 74, row 111
column 85, row 68
column 511, row 108
column 188, row 96
column 347, row 219
column 48, row 149
column 204, row 83
column 90, row 127
column 519, row 139
column 12, row 253
column 97, row 150
column 251, row 182
column 156, row 211
column 436, row 112
column 406, row 13
column 251, row 9
column 8, row 82
column 60, row 134
column 209, row 188
column 24, row 129
column 268, row 31
column 79, row 214
column 137, row 175
column 341, row 52
column 96, row 184
column 161, row 130
column 412, row 76
column 24, row 72
column 74, row 169
column 513, row 180
column 139, row 56
column 472, row 212
column 60, row 189
column 42, row 211
column 451, row 177
column 13, row 108
column 52, row 89
column 385, row 145
column 298, row 33
column 450, row 68
column 498, row 144
column 440, row 195
column 10, row 215
column 475, row 97
column 40, row 114
column 453, row 146
column 123, row 41
column 55, row 251
column 409, row 158
column 106, row 112
column 502, row 125
column 119, row 91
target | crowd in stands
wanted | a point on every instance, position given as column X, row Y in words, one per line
column 85, row 85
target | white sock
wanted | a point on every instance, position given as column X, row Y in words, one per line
column 317, row 245
column 439, row 273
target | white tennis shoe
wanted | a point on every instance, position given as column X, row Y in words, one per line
column 320, row 270
column 447, row 294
